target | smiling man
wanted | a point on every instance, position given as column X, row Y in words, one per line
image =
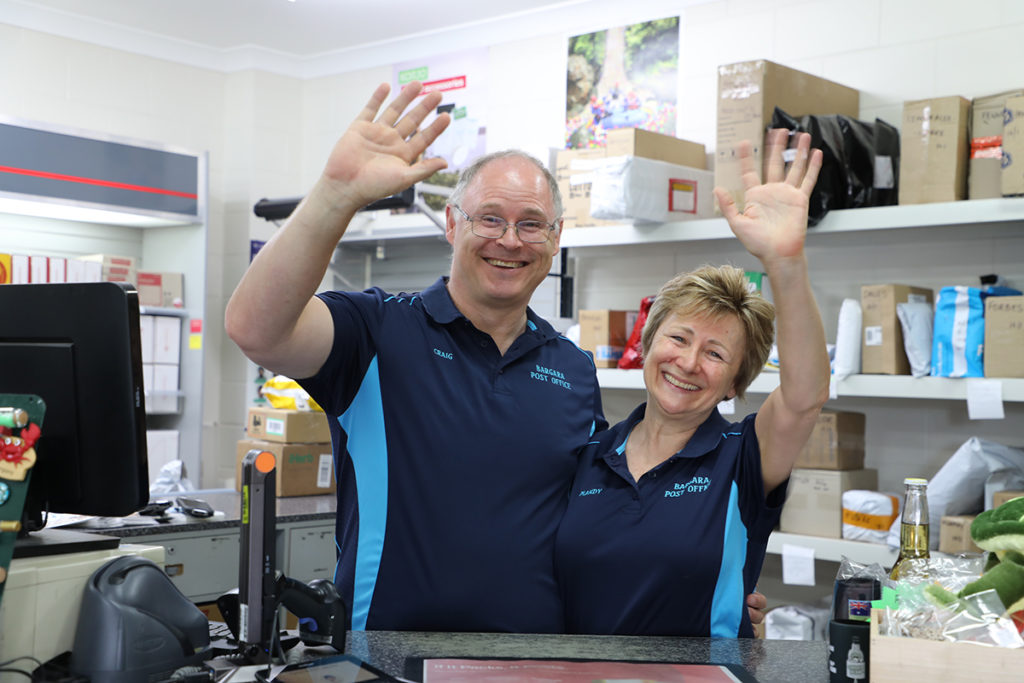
column 455, row 413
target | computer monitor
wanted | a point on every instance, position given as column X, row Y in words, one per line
column 77, row 346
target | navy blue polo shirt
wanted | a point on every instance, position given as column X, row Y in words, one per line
column 675, row 553
column 453, row 462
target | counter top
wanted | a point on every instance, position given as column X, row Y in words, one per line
column 770, row 661
column 289, row 510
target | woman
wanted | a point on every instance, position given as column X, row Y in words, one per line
column 671, row 509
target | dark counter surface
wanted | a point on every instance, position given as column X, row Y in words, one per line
column 294, row 509
column 770, row 661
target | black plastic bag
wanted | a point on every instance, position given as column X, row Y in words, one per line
column 860, row 165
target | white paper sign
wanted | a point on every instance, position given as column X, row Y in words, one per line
column 797, row 565
column 985, row 399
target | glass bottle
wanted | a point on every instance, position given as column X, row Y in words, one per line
column 913, row 525
column 856, row 665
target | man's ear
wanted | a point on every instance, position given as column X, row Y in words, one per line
column 449, row 224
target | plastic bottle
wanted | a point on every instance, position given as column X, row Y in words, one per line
column 913, row 525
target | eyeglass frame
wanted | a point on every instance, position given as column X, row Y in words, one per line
column 471, row 219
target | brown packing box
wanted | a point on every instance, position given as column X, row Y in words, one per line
column 984, row 170
column 933, row 150
column 814, row 501
column 604, row 333
column 303, row 469
column 1004, row 336
column 837, row 443
column 748, row 93
column 1000, row 497
column 955, row 535
column 160, row 289
column 573, row 167
column 882, row 351
column 1013, row 147
column 287, row 426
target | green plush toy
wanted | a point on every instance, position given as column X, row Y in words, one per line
column 1001, row 532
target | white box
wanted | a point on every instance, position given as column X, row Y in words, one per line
column 58, row 269
column 167, row 339
column 638, row 189
column 93, row 271
column 76, row 270
column 38, row 269
column 147, row 332
column 161, row 385
column 161, row 448
column 20, row 269
column 43, row 596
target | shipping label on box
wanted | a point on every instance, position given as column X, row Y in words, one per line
column 814, row 500
column 1012, row 179
column 882, row 350
column 287, row 426
column 836, row 443
column 933, row 150
column 303, row 469
column 955, row 535
column 635, row 189
column 748, row 93
column 604, row 334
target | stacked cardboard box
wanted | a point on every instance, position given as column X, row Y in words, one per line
column 604, row 333
column 748, row 93
column 574, row 168
column 1004, row 336
column 984, row 170
column 814, row 501
column 882, row 349
column 933, row 150
column 837, row 442
column 300, row 441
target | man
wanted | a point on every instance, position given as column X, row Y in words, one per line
column 455, row 413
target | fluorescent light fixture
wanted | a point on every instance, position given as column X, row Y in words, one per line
column 90, row 213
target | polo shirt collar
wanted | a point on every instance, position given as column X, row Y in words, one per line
column 438, row 304
column 703, row 441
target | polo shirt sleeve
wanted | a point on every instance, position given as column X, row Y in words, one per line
column 357, row 320
column 760, row 511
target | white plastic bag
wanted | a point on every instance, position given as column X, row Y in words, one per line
column 916, row 321
column 847, row 360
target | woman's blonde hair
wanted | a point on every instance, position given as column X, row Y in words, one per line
column 718, row 291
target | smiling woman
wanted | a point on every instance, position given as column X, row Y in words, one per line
column 670, row 511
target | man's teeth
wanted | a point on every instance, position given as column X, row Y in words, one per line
column 505, row 264
column 682, row 385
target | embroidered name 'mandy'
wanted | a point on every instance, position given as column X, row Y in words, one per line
column 695, row 485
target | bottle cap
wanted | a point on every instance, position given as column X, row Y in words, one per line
column 915, row 481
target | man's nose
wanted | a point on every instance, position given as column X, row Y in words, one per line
column 510, row 240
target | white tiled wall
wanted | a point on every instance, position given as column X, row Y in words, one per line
column 268, row 135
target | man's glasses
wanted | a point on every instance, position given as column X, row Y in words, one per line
column 493, row 227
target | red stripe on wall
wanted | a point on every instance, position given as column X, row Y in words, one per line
column 96, row 181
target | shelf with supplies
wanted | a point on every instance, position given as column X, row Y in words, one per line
column 835, row 549
column 996, row 213
column 870, row 386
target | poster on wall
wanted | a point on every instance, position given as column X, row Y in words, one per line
column 461, row 77
column 623, row 77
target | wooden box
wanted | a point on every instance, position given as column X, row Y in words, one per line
column 898, row 660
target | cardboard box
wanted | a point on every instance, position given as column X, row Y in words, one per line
column 1013, row 147
column 898, row 660
column 933, row 150
column 303, row 469
column 1000, row 497
column 814, row 502
column 604, row 333
column 1004, row 336
column 166, row 339
column 165, row 290
column 287, row 426
column 574, row 167
column 955, row 535
column 984, row 170
column 748, row 93
column 632, row 188
column 837, row 443
column 112, row 268
column 882, row 351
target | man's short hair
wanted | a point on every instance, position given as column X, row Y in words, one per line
column 470, row 172
column 718, row 291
